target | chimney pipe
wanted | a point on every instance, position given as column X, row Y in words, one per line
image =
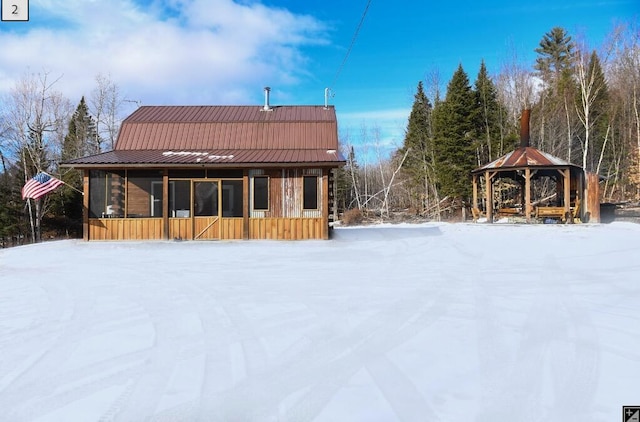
column 524, row 128
column 266, row 107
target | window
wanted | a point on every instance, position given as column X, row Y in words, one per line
column 180, row 199
column 140, row 199
column 232, row 198
column 261, row 193
column 106, row 194
column 310, row 200
column 187, row 174
column 224, row 174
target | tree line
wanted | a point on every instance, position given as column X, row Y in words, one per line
column 39, row 128
column 585, row 106
column 585, row 109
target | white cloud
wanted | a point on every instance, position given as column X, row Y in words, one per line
column 171, row 51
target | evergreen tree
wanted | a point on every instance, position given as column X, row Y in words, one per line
column 555, row 66
column 598, row 111
column 11, row 204
column 555, row 54
column 81, row 140
column 418, row 141
column 454, row 130
column 488, row 118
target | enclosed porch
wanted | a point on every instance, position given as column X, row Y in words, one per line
column 207, row 204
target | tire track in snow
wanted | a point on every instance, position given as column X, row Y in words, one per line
column 225, row 324
column 173, row 337
column 553, row 376
column 323, row 365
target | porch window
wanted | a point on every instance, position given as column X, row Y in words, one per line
column 180, row 198
column 232, row 198
column 143, row 200
column 106, row 194
column 310, row 193
column 261, row 193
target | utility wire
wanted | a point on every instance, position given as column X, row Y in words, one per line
column 353, row 41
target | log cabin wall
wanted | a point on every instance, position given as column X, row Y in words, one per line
column 285, row 217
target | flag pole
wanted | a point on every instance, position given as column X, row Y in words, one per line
column 75, row 189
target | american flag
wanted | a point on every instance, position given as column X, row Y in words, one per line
column 40, row 185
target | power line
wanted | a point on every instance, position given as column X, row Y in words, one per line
column 353, row 41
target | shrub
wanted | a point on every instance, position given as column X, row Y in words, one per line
column 352, row 217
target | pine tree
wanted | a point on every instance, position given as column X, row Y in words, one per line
column 596, row 95
column 418, row 141
column 555, row 66
column 81, row 140
column 555, row 54
column 454, row 130
column 488, row 118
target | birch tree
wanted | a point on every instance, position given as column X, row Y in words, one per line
column 105, row 104
column 35, row 118
column 591, row 105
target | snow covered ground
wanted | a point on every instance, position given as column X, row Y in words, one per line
column 433, row 322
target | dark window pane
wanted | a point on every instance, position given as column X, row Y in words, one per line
column 97, row 193
column 106, row 194
column 180, row 198
column 144, row 193
column 187, row 174
column 224, row 174
column 205, row 201
column 260, row 193
column 232, row 198
column 310, row 193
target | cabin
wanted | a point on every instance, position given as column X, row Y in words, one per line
column 215, row 172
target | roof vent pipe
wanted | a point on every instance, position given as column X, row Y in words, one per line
column 326, row 98
column 266, row 107
column 524, row 128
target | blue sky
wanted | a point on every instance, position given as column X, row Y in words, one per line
column 225, row 52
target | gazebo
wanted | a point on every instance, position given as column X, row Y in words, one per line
column 524, row 166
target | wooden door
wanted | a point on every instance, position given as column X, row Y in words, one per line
column 206, row 209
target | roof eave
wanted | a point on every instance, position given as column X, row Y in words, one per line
column 103, row 166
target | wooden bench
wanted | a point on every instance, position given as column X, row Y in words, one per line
column 559, row 212
column 551, row 212
column 509, row 211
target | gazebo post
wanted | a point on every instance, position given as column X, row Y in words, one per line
column 474, row 179
column 527, row 194
column 488, row 196
column 165, row 204
column 567, row 193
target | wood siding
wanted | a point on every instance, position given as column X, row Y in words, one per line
column 180, row 229
column 125, row 229
column 206, row 228
column 286, row 228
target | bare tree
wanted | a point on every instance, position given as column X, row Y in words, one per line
column 624, row 75
column 35, row 118
column 105, row 104
column 591, row 87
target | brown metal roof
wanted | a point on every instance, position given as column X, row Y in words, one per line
column 229, row 127
column 525, row 157
column 209, row 157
